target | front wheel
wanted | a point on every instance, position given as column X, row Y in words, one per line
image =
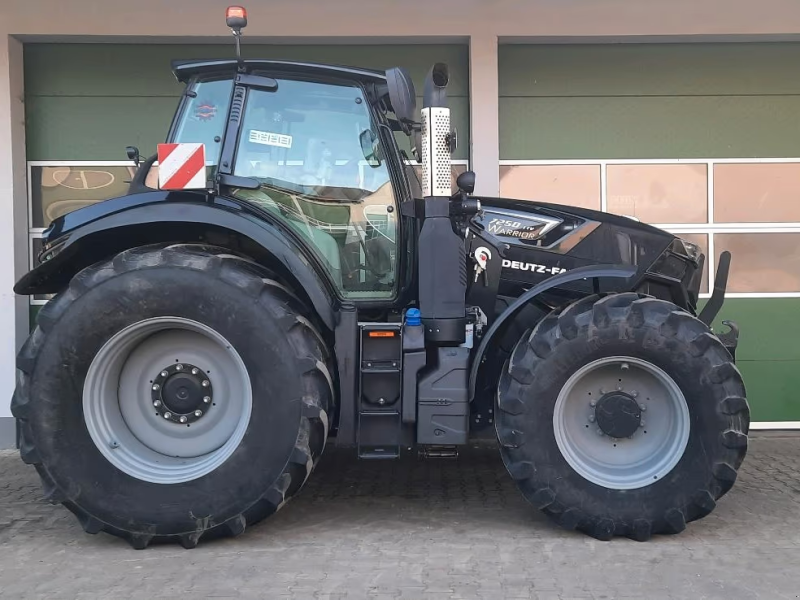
column 171, row 394
column 622, row 415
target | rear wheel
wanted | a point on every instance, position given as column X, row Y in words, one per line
column 173, row 393
column 622, row 415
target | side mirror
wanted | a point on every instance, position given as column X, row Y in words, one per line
column 133, row 154
column 466, row 182
column 402, row 97
column 369, row 148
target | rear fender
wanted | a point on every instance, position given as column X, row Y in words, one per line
column 594, row 272
column 215, row 223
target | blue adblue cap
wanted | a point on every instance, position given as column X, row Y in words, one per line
column 413, row 317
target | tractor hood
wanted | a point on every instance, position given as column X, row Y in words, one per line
column 566, row 210
column 542, row 239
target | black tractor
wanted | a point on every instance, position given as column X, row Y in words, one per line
column 294, row 278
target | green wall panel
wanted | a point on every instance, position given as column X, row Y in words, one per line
column 772, row 389
column 649, row 69
column 769, row 328
column 88, row 101
column 768, row 354
column 649, row 101
column 34, row 311
column 93, row 128
column 649, row 127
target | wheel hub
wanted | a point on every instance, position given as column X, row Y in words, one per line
column 182, row 393
column 618, row 414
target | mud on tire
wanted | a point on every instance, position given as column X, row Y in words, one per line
column 661, row 334
column 286, row 361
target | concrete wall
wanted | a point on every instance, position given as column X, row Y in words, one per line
column 13, row 224
column 409, row 18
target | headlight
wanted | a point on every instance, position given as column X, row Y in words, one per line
column 692, row 250
column 50, row 249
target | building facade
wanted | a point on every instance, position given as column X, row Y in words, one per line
column 684, row 114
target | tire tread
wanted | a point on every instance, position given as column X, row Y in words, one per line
column 628, row 311
column 259, row 282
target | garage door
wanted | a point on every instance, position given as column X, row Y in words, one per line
column 701, row 139
column 86, row 102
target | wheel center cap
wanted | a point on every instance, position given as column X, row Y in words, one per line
column 182, row 393
column 618, row 414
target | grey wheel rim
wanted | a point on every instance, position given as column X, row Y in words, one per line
column 659, row 425
column 167, row 400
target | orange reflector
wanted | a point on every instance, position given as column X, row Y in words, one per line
column 381, row 334
column 236, row 11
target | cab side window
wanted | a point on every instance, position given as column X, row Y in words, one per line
column 305, row 144
column 203, row 117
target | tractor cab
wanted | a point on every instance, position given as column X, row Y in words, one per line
column 311, row 146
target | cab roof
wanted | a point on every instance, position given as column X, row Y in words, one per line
column 186, row 69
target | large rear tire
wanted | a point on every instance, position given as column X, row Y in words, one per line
column 171, row 394
column 622, row 415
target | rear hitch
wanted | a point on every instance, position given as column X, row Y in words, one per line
column 730, row 338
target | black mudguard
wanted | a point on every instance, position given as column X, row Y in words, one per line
column 86, row 236
column 593, row 272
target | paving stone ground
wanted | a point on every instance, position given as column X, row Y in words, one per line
column 432, row 529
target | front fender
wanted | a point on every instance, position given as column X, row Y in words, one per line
column 147, row 218
column 596, row 272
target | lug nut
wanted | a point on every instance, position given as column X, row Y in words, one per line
column 592, row 403
column 591, row 418
column 167, row 415
column 157, row 403
column 599, row 431
column 206, row 399
column 156, row 387
column 624, row 366
column 164, row 373
column 184, row 419
column 619, row 388
column 642, row 407
column 381, row 401
column 195, row 371
column 198, row 413
column 206, row 383
column 179, row 367
column 634, row 393
column 602, row 391
column 641, row 423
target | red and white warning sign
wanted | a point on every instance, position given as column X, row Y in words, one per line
column 181, row 166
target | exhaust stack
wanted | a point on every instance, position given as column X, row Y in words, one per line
column 436, row 133
column 441, row 252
